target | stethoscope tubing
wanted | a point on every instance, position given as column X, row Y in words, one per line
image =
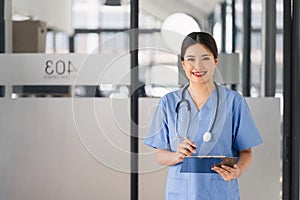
column 183, row 100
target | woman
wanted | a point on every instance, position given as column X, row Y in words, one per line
column 234, row 134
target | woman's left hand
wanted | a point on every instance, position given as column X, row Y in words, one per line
column 228, row 173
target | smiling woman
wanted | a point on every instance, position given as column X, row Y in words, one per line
column 219, row 124
column 199, row 63
column 199, row 55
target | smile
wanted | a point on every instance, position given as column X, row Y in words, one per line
column 199, row 74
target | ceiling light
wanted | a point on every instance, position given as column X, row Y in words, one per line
column 112, row 3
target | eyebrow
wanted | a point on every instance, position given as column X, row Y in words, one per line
column 203, row 55
column 190, row 56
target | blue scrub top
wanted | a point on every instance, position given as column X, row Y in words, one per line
column 233, row 131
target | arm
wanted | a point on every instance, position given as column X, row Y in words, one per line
column 185, row 148
column 168, row 158
column 245, row 160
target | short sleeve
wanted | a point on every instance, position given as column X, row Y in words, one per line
column 158, row 133
column 245, row 133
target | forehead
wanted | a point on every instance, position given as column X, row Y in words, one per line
column 197, row 49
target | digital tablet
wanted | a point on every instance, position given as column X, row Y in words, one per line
column 203, row 164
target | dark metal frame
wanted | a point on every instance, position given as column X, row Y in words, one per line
column 2, row 91
column 2, row 26
column 234, row 29
column 270, row 48
column 246, row 74
column 234, row 33
column 291, row 92
column 134, row 100
column 223, row 30
column 71, row 44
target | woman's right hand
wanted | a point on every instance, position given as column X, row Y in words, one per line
column 185, row 148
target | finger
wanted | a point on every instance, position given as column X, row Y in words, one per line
column 181, row 147
column 221, row 171
column 227, row 176
column 184, row 144
column 217, row 169
column 185, row 152
column 190, row 142
column 190, row 148
column 214, row 169
column 235, row 166
column 188, row 152
column 180, row 157
column 227, row 168
column 184, row 148
column 187, row 146
column 224, row 171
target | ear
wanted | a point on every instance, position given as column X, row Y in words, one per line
column 216, row 61
column 183, row 65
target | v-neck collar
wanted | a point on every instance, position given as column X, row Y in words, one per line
column 206, row 104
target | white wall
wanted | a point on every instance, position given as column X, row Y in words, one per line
column 57, row 13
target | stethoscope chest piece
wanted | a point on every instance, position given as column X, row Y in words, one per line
column 207, row 136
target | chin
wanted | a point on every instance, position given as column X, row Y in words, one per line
column 201, row 81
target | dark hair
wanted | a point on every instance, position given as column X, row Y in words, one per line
column 201, row 38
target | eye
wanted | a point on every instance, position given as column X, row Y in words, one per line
column 205, row 58
column 191, row 59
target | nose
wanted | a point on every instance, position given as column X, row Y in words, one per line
column 198, row 64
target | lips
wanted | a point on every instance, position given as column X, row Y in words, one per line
column 199, row 74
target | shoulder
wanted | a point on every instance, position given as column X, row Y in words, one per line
column 234, row 95
column 233, row 98
column 170, row 98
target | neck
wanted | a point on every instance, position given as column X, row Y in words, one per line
column 202, row 89
column 200, row 93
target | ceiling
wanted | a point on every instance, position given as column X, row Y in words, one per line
column 161, row 9
column 199, row 9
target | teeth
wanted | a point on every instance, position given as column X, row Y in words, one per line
column 199, row 73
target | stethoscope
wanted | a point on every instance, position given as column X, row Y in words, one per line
column 207, row 135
